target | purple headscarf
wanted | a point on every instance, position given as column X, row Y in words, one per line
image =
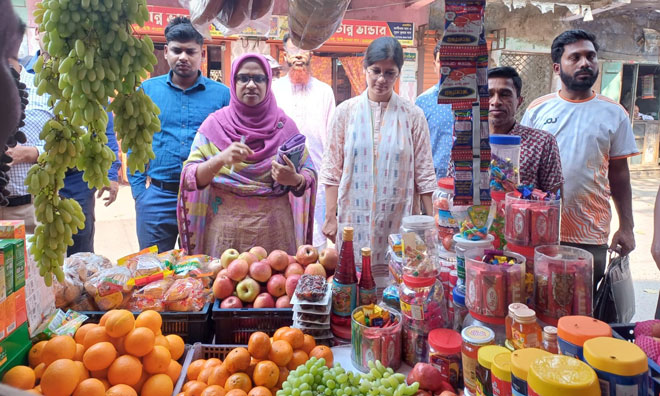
column 265, row 126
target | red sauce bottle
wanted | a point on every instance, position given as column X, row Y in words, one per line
column 345, row 283
column 367, row 285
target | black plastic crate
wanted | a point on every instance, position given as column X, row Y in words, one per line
column 625, row 331
column 191, row 326
column 234, row 326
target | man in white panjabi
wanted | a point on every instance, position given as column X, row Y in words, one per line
column 311, row 104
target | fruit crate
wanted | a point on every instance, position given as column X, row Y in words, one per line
column 191, row 326
column 200, row 351
column 626, row 331
column 236, row 325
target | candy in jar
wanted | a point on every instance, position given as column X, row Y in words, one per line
column 419, row 242
column 423, row 300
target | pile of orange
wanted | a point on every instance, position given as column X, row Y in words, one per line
column 258, row 370
column 120, row 356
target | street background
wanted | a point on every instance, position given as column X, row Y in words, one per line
column 116, row 237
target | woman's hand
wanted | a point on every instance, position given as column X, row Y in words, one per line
column 330, row 228
column 286, row 175
column 234, row 154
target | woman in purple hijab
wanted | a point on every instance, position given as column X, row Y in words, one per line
column 248, row 180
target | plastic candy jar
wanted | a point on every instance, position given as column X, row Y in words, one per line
column 474, row 337
column 423, row 301
column 497, row 328
column 505, row 162
column 462, row 246
column 445, row 354
column 443, row 199
column 419, row 241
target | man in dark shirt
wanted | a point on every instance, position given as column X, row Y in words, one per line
column 185, row 99
column 540, row 163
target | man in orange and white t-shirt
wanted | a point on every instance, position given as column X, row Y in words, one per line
column 595, row 139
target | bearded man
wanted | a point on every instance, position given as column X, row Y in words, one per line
column 311, row 104
column 595, row 139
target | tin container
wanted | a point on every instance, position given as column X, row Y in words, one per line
column 376, row 343
column 574, row 331
column 621, row 366
column 520, row 361
column 559, row 375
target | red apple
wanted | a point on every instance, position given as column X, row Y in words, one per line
column 292, row 260
column 278, row 260
column 231, row 302
column 307, row 254
column 259, row 252
column 249, row 257
column 237, row 270
column 264, row 300
column 260, row 271
column 223, row 272
column 291, row 283
column 293, row 269
column 276, row 285
column 228, row 256
column 315, row 269
column 329, row 258
column 223, row 287
column 283, row 302
column 247, row 290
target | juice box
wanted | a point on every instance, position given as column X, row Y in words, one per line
column 20, row 306
column 19, row 263
column 7, row 261
column 10, row 313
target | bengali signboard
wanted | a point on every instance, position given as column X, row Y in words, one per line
column 352, row 32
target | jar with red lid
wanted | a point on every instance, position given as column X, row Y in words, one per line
column 423, row 301
column 445, row 355
column 443, row 199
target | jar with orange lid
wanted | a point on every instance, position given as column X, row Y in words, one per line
column 573, row 331
column 525, row 331
column 474, row 337
column 508, row 321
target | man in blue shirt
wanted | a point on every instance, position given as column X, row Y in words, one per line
column 185, row 99
column 441, row 121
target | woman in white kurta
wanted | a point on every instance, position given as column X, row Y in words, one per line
column 377, row 163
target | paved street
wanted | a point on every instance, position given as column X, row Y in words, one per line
column 115, row 237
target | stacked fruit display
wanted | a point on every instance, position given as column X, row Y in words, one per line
column 256, row 279
column 120, row 356
column 258, row 370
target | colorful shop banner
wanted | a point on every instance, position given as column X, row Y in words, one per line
column 364, row 32
column 352, row 32
column 159, row 17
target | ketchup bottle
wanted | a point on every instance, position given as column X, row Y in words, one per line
column 367, row 285
column 344, row 284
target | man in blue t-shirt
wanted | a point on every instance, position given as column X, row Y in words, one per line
column 185, row 99
column 440, row 119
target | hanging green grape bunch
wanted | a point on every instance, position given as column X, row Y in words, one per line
column 92, row 58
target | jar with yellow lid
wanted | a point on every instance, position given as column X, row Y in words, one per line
column 574, row 331
column 520, row 361
column 501, row 374
column 559, row 375
column 483, row 374
column 621, row 366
